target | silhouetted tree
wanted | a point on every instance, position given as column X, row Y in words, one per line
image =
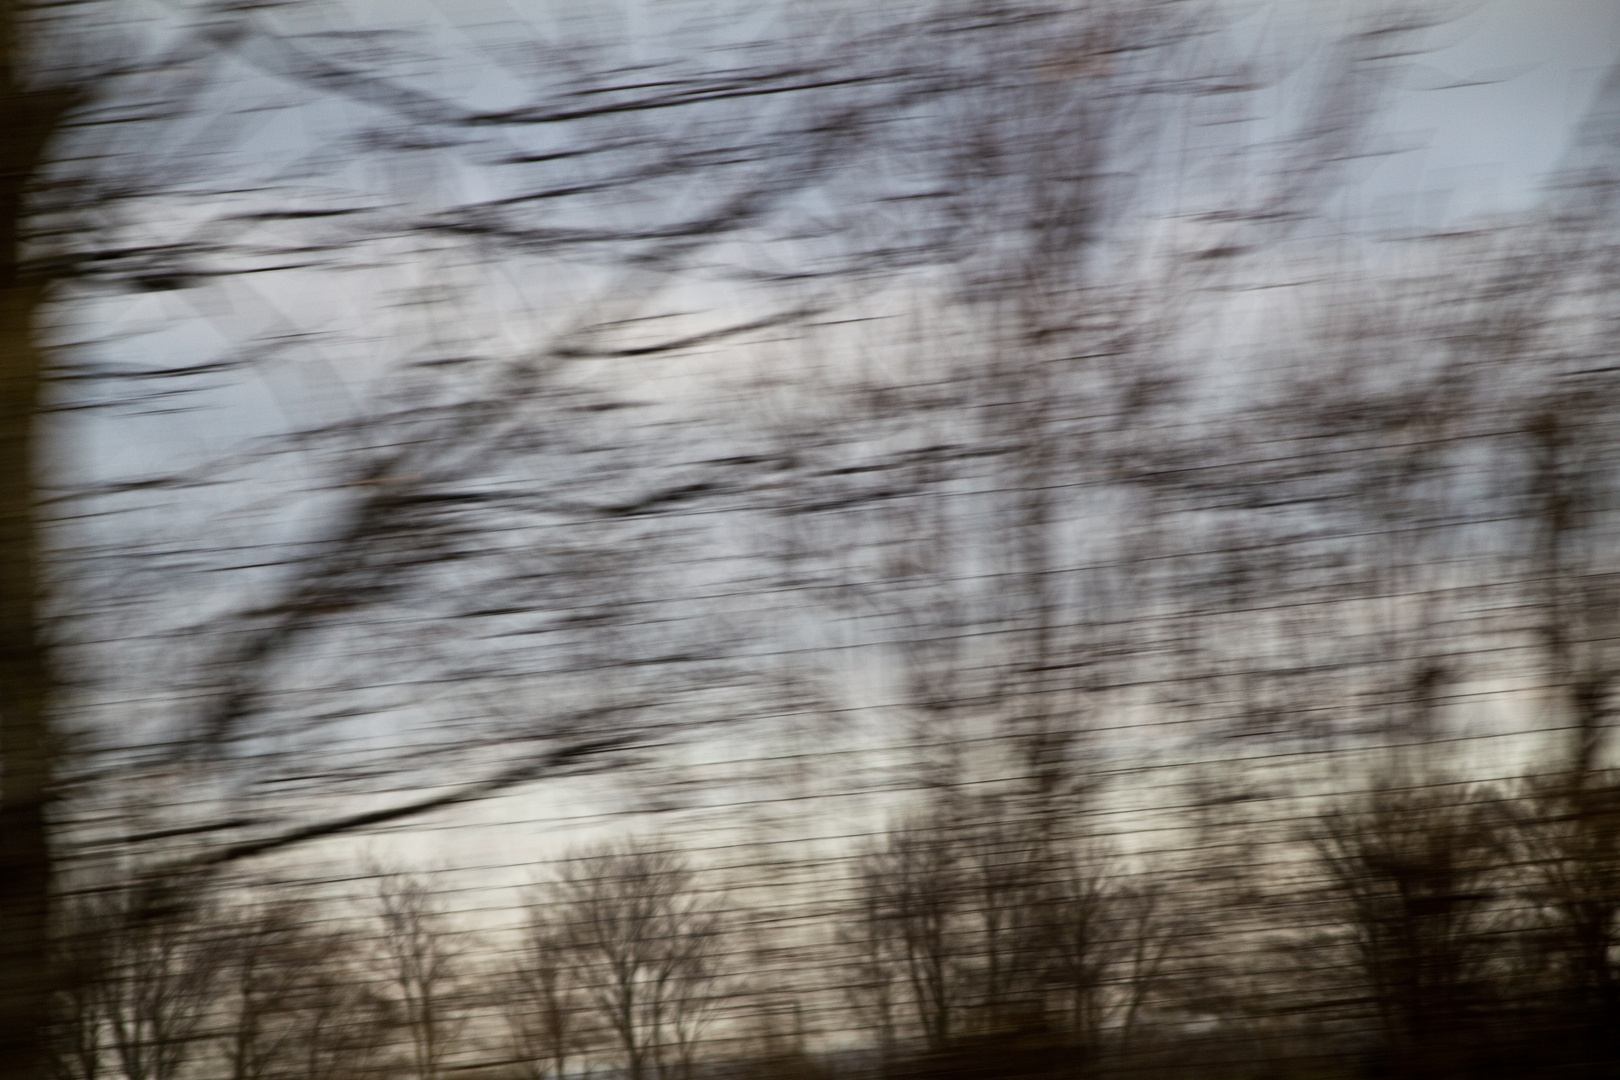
column 648, row 942
column 422, row 968
column 546, row 1010
column 293, row 1000
column 1417, row 876
column 164, row 963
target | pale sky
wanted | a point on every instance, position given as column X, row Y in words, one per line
column 1476, row 126
column 1490, row 114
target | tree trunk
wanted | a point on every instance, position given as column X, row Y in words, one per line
column 25, row 767
column 27, row 120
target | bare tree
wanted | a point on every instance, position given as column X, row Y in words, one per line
column 294, row 1001
column 349, row 1026
column 423, row 968
column 1418, row 879
column 1569, row 851
column 1087, row 937
column 990, row 933
column 874, row 986
column 546, row 1009
column 162, row 972
column 81, row 937
column 649, row 941
column 264, row 969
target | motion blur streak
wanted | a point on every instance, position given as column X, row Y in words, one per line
column 962, row 539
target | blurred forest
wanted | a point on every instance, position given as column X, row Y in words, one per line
column 896, row 541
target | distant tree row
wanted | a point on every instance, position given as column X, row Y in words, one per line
column 1435, row 929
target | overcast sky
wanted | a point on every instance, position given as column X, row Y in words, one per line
column 1490, row 113
column 1474, row 126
